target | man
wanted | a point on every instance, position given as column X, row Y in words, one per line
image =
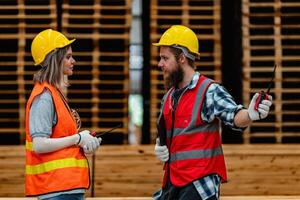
column 189, row 141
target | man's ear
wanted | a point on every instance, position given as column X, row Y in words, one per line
column 182, row 58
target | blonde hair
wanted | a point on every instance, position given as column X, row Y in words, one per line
column 52, row 69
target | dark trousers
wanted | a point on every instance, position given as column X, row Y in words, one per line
column 67, row 197
column 187, row 192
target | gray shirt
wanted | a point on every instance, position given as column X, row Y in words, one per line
column 42, row 115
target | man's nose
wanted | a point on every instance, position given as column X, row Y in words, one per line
column 160, row 64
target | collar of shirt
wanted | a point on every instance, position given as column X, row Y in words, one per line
column 176, row 93
column 194, row 80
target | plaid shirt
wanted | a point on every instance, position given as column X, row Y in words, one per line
column 218, row 103
column 208, row 186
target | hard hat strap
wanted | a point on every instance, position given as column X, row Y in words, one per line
column 185, row 52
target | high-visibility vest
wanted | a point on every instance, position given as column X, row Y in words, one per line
column 195, row 146
column 61, row 170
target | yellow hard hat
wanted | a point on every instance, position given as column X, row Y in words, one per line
column 182, row 36
column 45, row 42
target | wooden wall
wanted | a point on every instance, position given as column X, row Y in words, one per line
column 127, row 171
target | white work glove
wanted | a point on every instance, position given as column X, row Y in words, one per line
column 263, row 108
column 88, row 142
column 91, row 148
column 161, row 152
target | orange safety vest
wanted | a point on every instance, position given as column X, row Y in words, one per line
column 61, row 170
column 195, row 146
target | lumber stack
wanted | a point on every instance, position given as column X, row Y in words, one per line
column 100, row 87
column 133, row 171
column 100, row 84
column 20, row 21
column 271, row 36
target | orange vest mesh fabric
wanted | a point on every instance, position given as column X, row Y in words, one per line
column 62, row 170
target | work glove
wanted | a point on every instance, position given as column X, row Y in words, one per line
column 263, row 107
column 161, row 152
column 88, row 142
column 90, row 147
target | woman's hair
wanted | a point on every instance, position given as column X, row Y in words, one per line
column 52, row 69
column 177, row 52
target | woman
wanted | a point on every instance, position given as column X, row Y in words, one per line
column 56, row 167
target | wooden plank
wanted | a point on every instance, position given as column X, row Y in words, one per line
column 129, row 171
column 150, row 198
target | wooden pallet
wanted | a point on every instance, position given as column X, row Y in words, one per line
column 100, row 87
column 271, row 36
column 20, row 21
column 204, row 17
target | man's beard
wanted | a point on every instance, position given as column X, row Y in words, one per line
column 174, row 78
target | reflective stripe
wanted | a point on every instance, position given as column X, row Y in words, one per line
column 29, row 146
column 56, row 164
column 200, row 92
column 208, row 128
column 208, row 153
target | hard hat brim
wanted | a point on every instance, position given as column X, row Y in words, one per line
column 156, row 44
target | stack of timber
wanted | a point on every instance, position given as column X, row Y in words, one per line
column 271, row 36
column 133, row 171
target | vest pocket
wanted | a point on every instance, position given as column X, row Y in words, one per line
column 182, row 121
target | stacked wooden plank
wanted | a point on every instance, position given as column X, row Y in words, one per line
column 241, row 197
column 201, row 16
column 271, row 36
column 150, row 198
column 20, row 21
column 99, row 88
column 133, row 171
